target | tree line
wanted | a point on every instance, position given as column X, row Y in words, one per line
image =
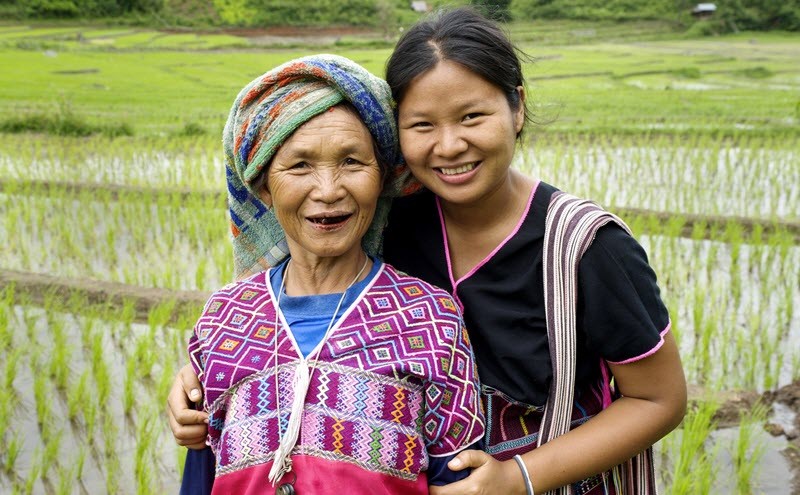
column 731, row 15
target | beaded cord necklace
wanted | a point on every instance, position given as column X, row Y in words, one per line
column 282, row 462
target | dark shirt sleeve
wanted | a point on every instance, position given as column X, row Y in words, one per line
column 438, row 472
column 624, row 317
column 198, row 472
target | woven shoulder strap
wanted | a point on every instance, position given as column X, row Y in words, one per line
column 570, row 228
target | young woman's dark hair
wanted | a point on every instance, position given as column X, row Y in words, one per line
column 459, row 35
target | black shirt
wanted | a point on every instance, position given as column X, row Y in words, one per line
column 620, row 315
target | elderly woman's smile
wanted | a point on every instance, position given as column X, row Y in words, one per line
column 329, row 221
column 323, row 184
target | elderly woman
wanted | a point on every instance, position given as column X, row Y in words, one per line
column 324, row 368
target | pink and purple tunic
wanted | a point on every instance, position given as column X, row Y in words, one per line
column 392, row 384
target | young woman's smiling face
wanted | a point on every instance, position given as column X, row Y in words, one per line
column 458, row 132
column 323, row 184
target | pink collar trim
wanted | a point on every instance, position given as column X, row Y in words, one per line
column 454, row 283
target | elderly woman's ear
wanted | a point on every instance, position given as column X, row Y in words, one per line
column 265, row 196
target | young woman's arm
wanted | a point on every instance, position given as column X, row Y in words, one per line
column 653, row 404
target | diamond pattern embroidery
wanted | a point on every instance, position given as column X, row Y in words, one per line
column 263, row 332
column 248, row 295
column 383, row 327
column 228, row 345
column 416, row 342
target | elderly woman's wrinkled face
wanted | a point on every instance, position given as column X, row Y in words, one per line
column 323, row 185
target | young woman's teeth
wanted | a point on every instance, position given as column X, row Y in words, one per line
column 458, row 170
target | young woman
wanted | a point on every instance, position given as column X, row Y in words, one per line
column 477, row 230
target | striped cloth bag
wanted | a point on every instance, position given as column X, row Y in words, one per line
column 569, row 230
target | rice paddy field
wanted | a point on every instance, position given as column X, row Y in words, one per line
column 110, row 240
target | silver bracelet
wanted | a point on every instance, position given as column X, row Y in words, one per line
column 525, row 475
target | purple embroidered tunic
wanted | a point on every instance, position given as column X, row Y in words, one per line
column 393, row 383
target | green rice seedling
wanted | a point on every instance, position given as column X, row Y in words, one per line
column 60, row 355
column 733, row 236
column 77, row 396
column 90, row 411
column 7, row 407
column 201, row 272
column 6, row 305
column 164, row 383
column 706, row 368
column 143, row 355
column 786, row 306
column 747, row 375
column 795, row 367
column 112, row 470
column 50, row 454
column 41, row 395
column 771, row 378
column 178, row 335
column 87, row 333
column 126, row 317
column 693, row 468
column 30, row 321
column 110, row 435
column 10, row 368
column 12, row 451
column 79, row 463
column 100, row 371
column 145, row 441
column 129, row 386
column 66, row 480
column 160, row 314
column 33, row 475
column 748, row 451
column 674, row 226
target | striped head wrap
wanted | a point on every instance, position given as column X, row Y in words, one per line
column 266, row 112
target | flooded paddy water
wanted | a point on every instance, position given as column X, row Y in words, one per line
column 85, row 383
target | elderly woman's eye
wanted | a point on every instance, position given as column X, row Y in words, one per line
column 298, row 166
column 351, row 161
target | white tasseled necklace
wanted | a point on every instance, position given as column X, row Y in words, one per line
column 282, row 461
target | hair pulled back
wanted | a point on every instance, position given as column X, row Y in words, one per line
column 459, row 35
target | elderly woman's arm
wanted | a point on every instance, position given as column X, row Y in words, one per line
column 189, row 426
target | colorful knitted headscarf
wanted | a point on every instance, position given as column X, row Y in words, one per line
column 266, row 112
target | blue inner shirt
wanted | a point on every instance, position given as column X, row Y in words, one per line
column 309, row 316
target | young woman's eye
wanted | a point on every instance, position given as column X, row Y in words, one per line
column 421, row 125
column 471, row 116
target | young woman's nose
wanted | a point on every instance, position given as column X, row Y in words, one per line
column 449, row 142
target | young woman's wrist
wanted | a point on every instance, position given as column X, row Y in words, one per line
column 526, row 477
column 515, row 481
